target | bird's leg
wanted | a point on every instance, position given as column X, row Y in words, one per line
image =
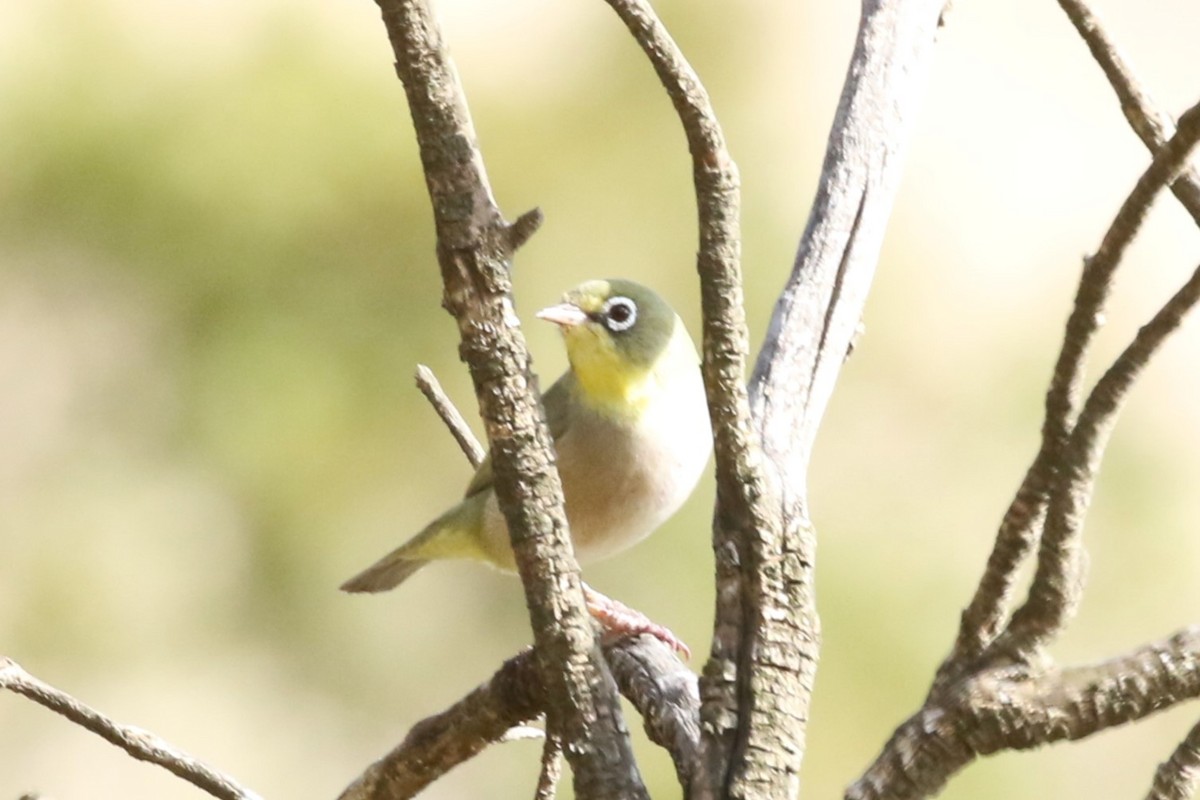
column 617, row 619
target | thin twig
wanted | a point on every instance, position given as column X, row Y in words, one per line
column 139, row 743
column 551, row 770
column 1018, row 531
column 427, row 382
column 1055, row 588
column 747, row 519
column 1149, row 121
column 1057, row 582
column 1178, row 777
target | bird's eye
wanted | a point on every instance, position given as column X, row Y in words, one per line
column 619, row 314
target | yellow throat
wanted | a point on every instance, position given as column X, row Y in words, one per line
column 611, row 384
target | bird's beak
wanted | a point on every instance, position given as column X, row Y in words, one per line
column 565, row 315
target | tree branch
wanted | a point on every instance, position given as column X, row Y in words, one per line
column 428, row 383
column 743, row 510
column 665, row 693
column 140, row 744
column 1057, row 582
column 1149, row 121
column 810, row 333
column 1055, row 588
column 435, row 745
column 654, row 680
column 1053, row 472
column 757, row 683
column 1177, row 777
column 475, row 245
column 551, row 771
column 1015, row 708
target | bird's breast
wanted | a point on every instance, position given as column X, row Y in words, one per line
column 622, row 478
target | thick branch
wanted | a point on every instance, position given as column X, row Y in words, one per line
column 474, row 248
column 810, row 333
column 1014, row 708
column 140, row 744
column 438, row 743
column 821, row 305
column 657, row 684
column 757, row 683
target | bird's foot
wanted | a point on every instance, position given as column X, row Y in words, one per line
column 617, row 620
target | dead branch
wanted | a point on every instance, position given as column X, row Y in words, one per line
column 1057, row 583
column 1009, row 696
column 438, row 743
column 551, row 771
column 1177, row 777
column 1018, row 708
column 475, row 246
column 1052, row 471
column 139, row 743
column 665, row 693
column 1018, row 531
column 1149, row 121
column 428, row 383
column 757, row 682
column 742, row 495
column 649, row 674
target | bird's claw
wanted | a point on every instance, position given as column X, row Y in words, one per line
column 619, row 620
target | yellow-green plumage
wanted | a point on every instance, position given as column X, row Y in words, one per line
column 630, row 428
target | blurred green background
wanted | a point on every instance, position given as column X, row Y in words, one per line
column 217, row 275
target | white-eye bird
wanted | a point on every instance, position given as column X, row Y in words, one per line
column 631, row 432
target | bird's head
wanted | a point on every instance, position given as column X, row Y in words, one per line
column 622, row 340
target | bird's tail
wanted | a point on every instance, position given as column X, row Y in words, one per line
column 386, row 573
column 448, row 536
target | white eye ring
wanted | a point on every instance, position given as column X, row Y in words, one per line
column 627, row 307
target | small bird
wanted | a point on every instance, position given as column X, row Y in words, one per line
column 631, row 432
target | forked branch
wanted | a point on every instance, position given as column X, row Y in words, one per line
column 1054, row 470
column 1076, row 460
column 997, row 690
column 1149, row 121
column 475, row 247
column 1018, row 708
column 648, row 673
column 757, row 682
column 659, row 686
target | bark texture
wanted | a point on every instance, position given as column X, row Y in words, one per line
column 475, row 247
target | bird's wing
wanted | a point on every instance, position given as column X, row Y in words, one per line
column 556, row 400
